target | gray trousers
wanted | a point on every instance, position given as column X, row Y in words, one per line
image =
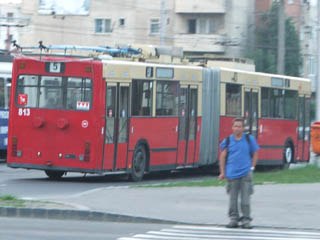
column 244, row 187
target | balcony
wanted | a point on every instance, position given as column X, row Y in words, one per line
column 196, row 6
column 208, row 43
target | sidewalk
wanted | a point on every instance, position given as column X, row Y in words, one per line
column 284, row 206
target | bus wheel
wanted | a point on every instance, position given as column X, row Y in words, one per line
column 138, row 163
column 55, row 175
column 287, row 156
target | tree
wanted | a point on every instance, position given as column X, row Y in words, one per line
column 265, row 52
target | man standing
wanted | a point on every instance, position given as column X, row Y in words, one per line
column 238, row 159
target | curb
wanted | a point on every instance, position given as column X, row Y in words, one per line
column 83, row 215
column 62, row 214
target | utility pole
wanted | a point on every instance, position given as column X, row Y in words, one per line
column 281, row 38
column 318, row 68
column 163, row 23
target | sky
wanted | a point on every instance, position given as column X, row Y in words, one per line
column 10, row 1
column 78, row 7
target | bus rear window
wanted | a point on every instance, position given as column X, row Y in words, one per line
column 54, row 92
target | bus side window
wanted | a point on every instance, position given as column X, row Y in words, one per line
column 142, row 98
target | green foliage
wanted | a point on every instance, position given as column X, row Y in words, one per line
column 265, row 53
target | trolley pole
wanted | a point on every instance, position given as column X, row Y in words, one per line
column 318, row 68
column 163, row 23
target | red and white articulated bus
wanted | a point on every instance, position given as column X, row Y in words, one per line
column 130, row 117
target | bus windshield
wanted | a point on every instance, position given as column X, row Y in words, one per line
column 54, row 92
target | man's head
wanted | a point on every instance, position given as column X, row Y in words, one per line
column 238, row 126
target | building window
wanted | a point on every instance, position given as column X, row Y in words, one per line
column 122, row 22
column 154, row 26
column 212, row 26
column 202, row 26
column 103, row 25
column 192, row 26
column 10, row 17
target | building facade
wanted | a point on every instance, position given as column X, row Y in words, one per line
column 203, row 26
column 11, row 23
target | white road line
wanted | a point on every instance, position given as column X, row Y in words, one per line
column 245, row 230
column 130, row 238
column 215, row 236
column 249, row 232
column 181, row 232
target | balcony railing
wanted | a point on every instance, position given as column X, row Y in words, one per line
column 196, row 6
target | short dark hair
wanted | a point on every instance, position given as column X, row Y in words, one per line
column 238, row 119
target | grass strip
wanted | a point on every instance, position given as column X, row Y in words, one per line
column 308, row 174
column 11, row 201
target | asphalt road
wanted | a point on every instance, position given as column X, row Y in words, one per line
column 35, row 184
column 43, row 229
column 36, row 229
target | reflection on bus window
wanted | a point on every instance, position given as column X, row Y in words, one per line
column 54, row 92
column 2, row 93
column 290, row 105
column 265, row 105
column 142, row 98
column 279, row 103
column 79, row 91
column 8, row 92
column 183, row 111
column 167, row 100
column 50, row 92
column 233, row 98
column 193, row 114
column 28, row 87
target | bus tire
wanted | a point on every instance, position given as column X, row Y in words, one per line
column 287, row 155
column 138, row 163
column 54, row 175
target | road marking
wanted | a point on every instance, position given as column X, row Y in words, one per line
column 244, row 230
column 181, row 232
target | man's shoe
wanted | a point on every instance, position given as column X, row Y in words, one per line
column 232, row 225
column 246, row 226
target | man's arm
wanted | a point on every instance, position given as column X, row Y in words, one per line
column 254, row 159
column 223, row 155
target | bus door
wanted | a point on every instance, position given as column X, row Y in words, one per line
column 304, row 128
column 116, row 129
column 187, row 124
column 251, row 99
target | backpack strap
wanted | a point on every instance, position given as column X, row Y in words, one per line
column 227, row 145
column 249, row 142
